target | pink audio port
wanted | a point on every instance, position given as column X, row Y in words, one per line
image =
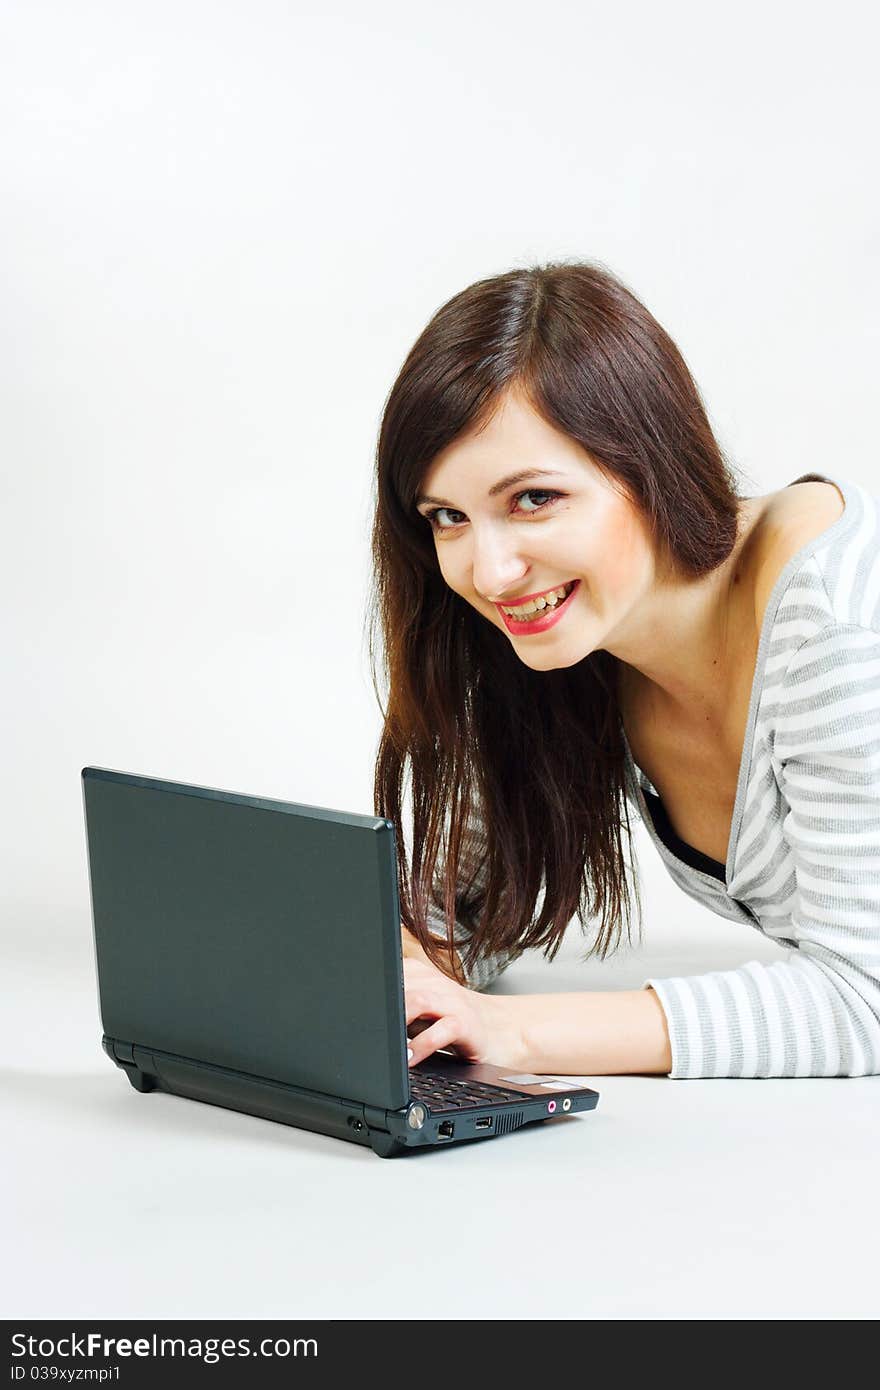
column 551, row 1106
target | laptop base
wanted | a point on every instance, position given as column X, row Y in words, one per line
column 249, row 1095
column 151, row 1070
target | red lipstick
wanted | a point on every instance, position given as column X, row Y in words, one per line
column 540, row 622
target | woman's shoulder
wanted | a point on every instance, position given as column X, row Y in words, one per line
column 792, row 518
column 835, row 585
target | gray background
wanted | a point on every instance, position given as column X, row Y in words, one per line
column 222, row 227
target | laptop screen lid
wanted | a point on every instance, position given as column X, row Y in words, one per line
column 257, row 935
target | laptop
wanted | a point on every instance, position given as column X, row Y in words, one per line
column 248, row 954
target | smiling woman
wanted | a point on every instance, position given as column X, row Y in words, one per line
column 566, row 576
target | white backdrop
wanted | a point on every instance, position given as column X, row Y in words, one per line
column 222, row 227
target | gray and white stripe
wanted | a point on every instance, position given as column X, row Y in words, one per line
column 804, row 857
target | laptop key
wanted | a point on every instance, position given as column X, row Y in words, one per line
column 448, row 1093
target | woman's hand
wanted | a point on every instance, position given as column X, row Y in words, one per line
column 441, row 1013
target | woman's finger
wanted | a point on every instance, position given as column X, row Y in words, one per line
column 428, row 991
column 418, row 1026
column 440, row 1034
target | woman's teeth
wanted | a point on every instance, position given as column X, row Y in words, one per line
column 537, row 604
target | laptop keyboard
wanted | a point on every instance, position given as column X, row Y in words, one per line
column 442, row 1093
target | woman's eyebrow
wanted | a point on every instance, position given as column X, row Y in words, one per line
column 504, row 484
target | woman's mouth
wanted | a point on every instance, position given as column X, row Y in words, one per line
column 540, row 614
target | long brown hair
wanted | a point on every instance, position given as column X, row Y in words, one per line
column 491, row 830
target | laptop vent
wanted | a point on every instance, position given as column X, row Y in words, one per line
column 510, row 1119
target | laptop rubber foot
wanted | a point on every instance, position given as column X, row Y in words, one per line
column 140, row 1080
column 385, row 1145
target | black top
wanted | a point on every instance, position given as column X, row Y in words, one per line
column 694, row 857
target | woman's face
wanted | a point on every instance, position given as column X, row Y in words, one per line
column 500, row 541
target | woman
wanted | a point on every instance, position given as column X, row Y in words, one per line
column 707, row 659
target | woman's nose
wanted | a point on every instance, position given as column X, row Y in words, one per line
column 495, row 583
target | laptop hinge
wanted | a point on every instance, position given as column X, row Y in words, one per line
column 375, row 1118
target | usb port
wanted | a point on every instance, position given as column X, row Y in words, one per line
column 483, row 1124
column 446, row 1130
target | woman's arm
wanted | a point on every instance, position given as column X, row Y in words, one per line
column 570, row 1034
column 592, row 1034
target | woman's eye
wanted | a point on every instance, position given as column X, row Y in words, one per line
column 433, row 515
column 537, row 492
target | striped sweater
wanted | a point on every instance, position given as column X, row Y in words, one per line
column 803, row 863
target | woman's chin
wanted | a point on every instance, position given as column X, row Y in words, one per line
column 547, row 660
